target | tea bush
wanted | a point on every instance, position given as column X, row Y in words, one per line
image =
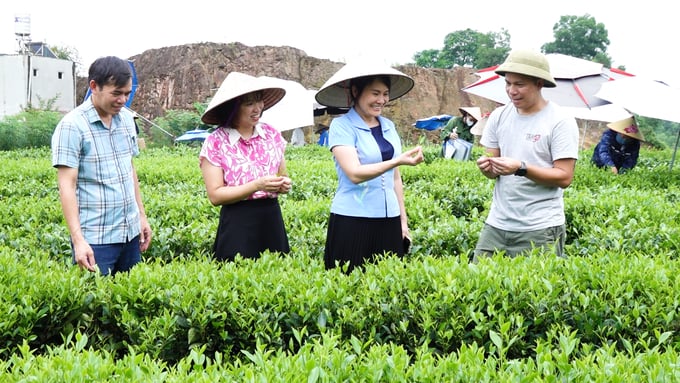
column 610, row 308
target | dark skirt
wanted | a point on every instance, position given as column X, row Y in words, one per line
column 250, row 227
column 358, row 240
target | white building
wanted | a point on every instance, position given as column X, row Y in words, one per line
column 37, row 79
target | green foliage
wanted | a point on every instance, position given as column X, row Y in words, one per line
column 467, row 48
column 175, row 122
column 429, row 58
column 493, row 49
column 660, row 134
column 66, row 53
column 608, row 309
column 32, row 128
column 70, row 53
column 582, row 37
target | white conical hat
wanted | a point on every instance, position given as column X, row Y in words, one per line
column 335, row 92
column 237, row 84
column 473, row 111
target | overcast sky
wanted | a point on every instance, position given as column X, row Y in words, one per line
column 643, row 34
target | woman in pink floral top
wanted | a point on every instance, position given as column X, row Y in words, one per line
column 244, row 169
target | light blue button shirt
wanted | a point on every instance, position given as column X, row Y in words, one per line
column 105, row 188
column 374, row 198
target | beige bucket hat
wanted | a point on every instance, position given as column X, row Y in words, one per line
column 237, row 84
column 528, row 63
column 335, row 92
column 473, row 111
column 627, row 127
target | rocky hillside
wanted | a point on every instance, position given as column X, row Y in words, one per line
column 179, row 76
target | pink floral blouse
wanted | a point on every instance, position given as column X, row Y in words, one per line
column 245, row 160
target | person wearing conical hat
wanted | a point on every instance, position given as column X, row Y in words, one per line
column 243, row 167
column 531, row 148
column 460, row 127
column 367, row 214
column 619, row 146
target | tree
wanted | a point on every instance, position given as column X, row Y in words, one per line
column 427, row 59
column 493, row 51
column 467, row 48
column 460, row 47
column 582, row 37
column 68, row 53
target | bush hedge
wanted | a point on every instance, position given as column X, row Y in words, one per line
column 606, row 312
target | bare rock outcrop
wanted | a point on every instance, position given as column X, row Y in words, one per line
column 177, row 77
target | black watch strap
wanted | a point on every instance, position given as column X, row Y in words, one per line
column 522, row 171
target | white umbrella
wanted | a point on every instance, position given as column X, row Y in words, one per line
column 577, row 82
column 647, row 98
column 604, row 113
column 295, row 110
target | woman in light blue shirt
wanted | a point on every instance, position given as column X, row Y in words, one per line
column 368, row 216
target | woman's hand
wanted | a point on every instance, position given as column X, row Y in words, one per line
column 285, row 186
column 274, row 184
column 412, row 157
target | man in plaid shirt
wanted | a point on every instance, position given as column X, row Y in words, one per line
column 92, row 149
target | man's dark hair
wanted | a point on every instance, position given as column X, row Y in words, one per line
column 110, row 70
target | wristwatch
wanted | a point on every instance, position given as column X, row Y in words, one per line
column 522, row 171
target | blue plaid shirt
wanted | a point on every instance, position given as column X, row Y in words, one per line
column 105, row 188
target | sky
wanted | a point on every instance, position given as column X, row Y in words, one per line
column 643, row 34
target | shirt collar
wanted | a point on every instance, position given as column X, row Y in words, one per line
column 235, row 136
column 359, row 122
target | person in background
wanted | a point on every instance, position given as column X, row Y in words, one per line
column 323, row 135
column 478, row 129
column 531, row 148
column 367, row 214
column 244, row 170
column 460, row 127
column 298, row 137
column 92, row 150
column 619, row 146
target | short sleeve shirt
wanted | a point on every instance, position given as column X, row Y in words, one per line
column 245, row 160
column 519, row 204
column 375, row 198
column 105, row 187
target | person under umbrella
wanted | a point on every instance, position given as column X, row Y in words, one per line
column 619, row 146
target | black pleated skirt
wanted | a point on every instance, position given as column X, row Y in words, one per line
column 357, row 240
column 250, row 227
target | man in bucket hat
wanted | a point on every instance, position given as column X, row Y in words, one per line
column 619, row 146
column 531, row 150
column 243, row 168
